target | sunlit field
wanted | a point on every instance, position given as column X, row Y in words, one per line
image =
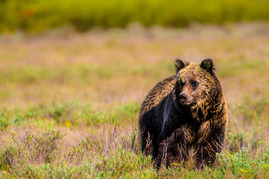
column 70, row 102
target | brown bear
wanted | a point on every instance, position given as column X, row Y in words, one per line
column 183, row 112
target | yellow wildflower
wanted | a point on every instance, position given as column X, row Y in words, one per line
column 266, row 166
column 67, row 123
column 244, row 171
column 175, row 164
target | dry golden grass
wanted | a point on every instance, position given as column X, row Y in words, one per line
column 120, row 66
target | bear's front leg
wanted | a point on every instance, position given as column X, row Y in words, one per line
column 208, row 146
column 173, row 148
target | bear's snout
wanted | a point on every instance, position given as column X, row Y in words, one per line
column 182, row 98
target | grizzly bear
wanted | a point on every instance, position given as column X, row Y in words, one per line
column 184, row 112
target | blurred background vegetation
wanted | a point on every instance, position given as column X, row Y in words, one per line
column 39, row 15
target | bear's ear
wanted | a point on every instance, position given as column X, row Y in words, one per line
column 179, row 64
column 208, row 65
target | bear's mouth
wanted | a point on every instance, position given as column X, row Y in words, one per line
column 187, row 104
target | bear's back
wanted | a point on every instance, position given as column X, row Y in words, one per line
column 157, row 94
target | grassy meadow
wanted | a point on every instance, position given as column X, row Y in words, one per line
column 70, row 102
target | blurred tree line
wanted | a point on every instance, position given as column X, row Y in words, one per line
column 39, row 15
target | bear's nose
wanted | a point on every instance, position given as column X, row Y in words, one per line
column 182, row 98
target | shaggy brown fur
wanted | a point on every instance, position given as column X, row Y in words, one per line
column 184, row 111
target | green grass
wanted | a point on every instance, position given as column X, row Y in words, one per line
column 38, row 15
column 50, row 154
column 114, row 152
column 67, row 114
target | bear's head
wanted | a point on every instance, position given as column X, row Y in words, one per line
column 196, row 86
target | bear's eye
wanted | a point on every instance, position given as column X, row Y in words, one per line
column 194, row 84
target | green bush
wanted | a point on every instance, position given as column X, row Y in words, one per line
column 29, row 149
